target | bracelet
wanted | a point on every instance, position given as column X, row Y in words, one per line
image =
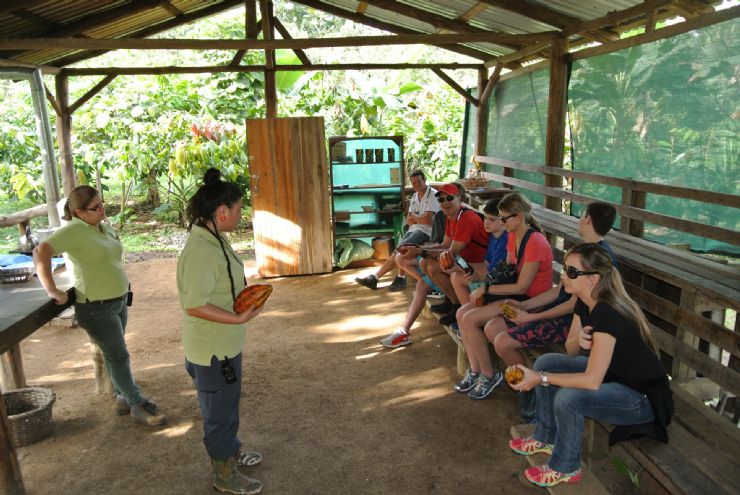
column 423, row 253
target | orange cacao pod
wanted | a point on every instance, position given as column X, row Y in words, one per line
column 252, row 296
column 513, row 375
column 445, row 260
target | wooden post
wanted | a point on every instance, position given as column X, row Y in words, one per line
column 680, row 371
column 64, row 134
column 481, row 120
column 11, row 481
column 270, row 84
column 555, row 138
column 638, row 199
column 12, row 376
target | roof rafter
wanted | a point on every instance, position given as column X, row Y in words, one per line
column 549, row 16
column 367, row 21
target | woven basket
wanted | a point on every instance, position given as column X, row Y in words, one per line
column 16, row 275
column 474, row 182
column 29, row 414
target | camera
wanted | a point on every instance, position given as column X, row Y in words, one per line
column 228, row 371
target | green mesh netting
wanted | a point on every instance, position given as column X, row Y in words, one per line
column 665, row 112
column 517, row 123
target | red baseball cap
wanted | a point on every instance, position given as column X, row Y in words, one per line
column 448, row 189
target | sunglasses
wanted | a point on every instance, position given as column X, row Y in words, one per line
column 97, row 207
column 572, row 273
column 442, row 199
column 504, row 219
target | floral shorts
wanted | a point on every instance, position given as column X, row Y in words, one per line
column 540, row 333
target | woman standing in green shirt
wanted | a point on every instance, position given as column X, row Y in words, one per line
column 209, row 276
column 101, row 293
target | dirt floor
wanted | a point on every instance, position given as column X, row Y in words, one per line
column 329, row 409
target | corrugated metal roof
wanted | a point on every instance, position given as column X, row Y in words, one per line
column 122, row 18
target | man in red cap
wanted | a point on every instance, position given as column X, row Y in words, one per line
column 464, row 237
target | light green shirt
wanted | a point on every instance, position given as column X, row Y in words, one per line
column 202, row 278
column 96, row 258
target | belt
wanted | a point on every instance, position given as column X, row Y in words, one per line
column 104, row 301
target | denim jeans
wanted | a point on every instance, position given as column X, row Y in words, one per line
column 106, row 324
column 561, row 411
column 219, row 406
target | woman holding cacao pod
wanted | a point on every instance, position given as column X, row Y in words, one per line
column 209, row 277
column 527, row 249
column 101, row 293
column 621, row 382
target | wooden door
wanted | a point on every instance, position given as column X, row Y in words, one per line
column 289, row 180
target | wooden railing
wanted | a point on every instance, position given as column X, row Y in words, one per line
column 633, row 198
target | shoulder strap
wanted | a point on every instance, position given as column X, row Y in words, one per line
column 520, row 253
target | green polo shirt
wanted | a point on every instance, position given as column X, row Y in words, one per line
column 96, row 258
column 202, row 278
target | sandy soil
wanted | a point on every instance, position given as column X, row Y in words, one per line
column 331, row 411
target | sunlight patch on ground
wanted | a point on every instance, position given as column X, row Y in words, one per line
column 425, row 388
column 66, row 377
column 175, row 430
column 74, row 365
column 161, row 365
column 356, row 328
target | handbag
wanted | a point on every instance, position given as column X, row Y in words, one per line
column 503, row 272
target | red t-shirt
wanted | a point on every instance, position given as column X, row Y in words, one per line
column 536, row 250
column 467, row 227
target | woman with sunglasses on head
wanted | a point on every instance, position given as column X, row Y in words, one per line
column 101, row 293
column 621, row 382
column 209, row 277
column 534, row 276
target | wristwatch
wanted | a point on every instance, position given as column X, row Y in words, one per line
column 543, row 379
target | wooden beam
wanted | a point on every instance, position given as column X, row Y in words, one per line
column 90, row 93
column 268, row 34
column 12, row 7
column 490, row 85
column 662, row 33
column 64, row 135
column 481, row 116
column 549, row 16
column 46, row 69
column 52, row 101
column 121, row 71
column 473, row 11
column 187, row 44
column 286, row 35
column 239, row 55
column 22, row 216
column 35, row 20
column 518, row 55
column 451, row 82
column 613, row 19
column 172, row 9
column 556, row 110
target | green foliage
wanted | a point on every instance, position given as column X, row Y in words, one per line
column 625, row 471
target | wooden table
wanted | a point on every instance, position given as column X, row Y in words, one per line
column 24, row 308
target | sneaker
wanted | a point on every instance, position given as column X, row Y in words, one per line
column 484, row 385
column 467, row 382
column 398, row 284
column 435, row 294
column 442, row 309
column 529, row 446
column 545, row 476
column 147, row 413
column 248, row 458
column 455, row 327
column 371, row 281
column 398, row 338
column 121, row 406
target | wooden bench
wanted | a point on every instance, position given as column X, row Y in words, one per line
column 685, row 298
